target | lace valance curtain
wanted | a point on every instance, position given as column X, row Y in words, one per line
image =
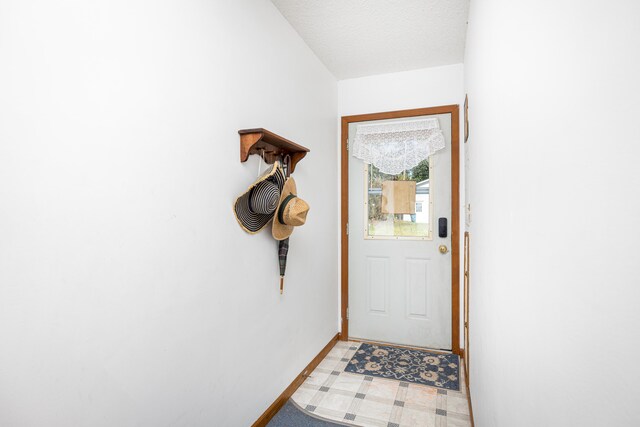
column 397, row 146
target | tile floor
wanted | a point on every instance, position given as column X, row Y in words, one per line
column 368, row 401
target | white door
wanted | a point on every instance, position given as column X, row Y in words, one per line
column 399, row 282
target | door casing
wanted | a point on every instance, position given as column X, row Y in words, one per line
column 455, row 211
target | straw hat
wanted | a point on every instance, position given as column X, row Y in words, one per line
column 256, row 206
column 291, row 212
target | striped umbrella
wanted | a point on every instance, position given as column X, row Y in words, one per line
column 283, row 250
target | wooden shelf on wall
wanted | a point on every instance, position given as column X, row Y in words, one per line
column 254, row 141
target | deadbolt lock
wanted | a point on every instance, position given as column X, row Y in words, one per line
column 443, row 249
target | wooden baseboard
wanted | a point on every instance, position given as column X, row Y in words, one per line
column 282, row 399
column 466, row 384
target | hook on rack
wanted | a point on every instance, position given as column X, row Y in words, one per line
column 286, row 164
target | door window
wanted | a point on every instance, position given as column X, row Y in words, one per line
column 398, row 206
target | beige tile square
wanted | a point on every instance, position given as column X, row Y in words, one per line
column 334, row 355
column 337, row 353
column 457, row 394
column 412, row 417
column 348, row 382
column 457, row 405
column 456, row 420
column 336, row 401
column 396, row 412
column 340, row 366
column 369, row 422
column 376, row 410
column 323, row 369
column 329, row 413
column 385, row 389
column 328, row 364
column 459, row 417
column 309, row 386
column 317, row 377
column 342, row 392
column 420, row 395
column 441, row 401
column 303, row 396
column 348, row 355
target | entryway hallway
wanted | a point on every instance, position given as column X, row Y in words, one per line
column 148, row 147
column 335, row 395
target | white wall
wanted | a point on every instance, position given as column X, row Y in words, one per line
column 553, row 94
column 427, row 87
column 128, row 293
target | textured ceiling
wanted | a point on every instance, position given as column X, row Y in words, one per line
column 357, row 38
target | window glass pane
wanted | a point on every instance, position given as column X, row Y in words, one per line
column 398, row 205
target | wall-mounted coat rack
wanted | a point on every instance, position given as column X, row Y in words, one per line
column 261, row 141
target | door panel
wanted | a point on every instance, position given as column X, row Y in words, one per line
column 377, row 284
column 417, row 281
column 400, row 287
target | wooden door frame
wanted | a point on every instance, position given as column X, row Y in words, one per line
column 454, row 110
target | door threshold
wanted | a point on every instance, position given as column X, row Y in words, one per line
column 390, row 344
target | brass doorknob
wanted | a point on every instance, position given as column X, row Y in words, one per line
column 443, row 249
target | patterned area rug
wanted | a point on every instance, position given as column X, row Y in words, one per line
column 404, row 364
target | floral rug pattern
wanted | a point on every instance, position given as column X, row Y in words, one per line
column 405, row 364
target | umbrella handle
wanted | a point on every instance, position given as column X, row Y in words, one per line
column 281, row 284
